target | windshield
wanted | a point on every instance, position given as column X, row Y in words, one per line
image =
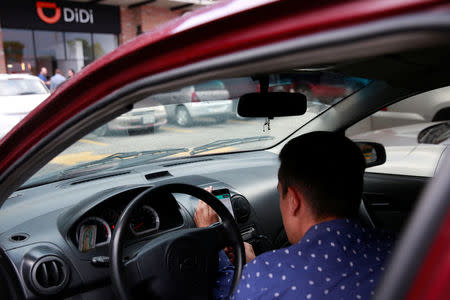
column 21, row 86
column 196, row 120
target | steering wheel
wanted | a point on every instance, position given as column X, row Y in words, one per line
column 180, row 264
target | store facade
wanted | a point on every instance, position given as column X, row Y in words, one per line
column 64, row 35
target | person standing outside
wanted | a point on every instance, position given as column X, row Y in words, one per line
column 70, row 73
column 56, row 80
column 332, row 256
column 43, row 76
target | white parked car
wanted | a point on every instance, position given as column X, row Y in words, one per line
column 145, row 115
column 414, row 150
column 19, row 94
column 432, row 106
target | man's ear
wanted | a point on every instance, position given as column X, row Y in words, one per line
column 295, row 200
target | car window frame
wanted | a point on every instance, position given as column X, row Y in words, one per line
column 19, row 166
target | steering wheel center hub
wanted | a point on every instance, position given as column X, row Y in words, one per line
column 186, row 259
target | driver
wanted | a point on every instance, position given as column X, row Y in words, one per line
column 332, row 256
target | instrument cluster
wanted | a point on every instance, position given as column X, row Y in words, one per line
column 96, row 227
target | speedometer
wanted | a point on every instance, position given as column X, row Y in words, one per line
column 92, row 232
column 110, row 215
column 144, row 220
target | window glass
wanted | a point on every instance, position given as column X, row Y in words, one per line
column 191, row 122
column 414, row 132
column 73, row 64
column 332, row 88
column 79, row 46
column 213, row 85
column 103, row 44
column 49, row 44
column 18, row 49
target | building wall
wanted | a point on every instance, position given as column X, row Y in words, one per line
column 2, row 54
column 153, row 16
column 147, row 16
column 128, row 23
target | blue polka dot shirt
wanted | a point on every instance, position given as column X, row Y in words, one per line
column 337, row 259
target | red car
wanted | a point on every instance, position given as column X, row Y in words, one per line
column 324, row 87
column 95, row 217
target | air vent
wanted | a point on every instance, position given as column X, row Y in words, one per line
column 186, row 162
column 152, row 176
column 241, row 208
column 49, row 275
column 18, row 237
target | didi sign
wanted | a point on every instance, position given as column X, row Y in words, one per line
column 40, row 12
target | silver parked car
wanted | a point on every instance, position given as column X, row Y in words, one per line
column 207, row 100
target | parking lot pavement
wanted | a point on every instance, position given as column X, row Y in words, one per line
column 93, row 147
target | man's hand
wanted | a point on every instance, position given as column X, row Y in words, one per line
column 249, row 253
column 204, row 215
column 230, row 253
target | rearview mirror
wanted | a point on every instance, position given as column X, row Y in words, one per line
column 374, row 153
column 270, row 105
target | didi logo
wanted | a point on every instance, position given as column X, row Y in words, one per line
column 40, row 11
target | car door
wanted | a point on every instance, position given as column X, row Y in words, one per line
column 420, row 267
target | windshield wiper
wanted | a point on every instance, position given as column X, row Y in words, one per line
column 151, row 155
column 120, row 159
column 229, row 142
column 114, row 161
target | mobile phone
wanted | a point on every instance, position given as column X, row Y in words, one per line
column 224, row 196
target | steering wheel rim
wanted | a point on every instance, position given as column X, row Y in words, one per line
column 227, row 227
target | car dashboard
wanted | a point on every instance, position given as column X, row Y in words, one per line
column 55, row 237
column 60, row 245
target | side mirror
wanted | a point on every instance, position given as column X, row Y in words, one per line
column 374, row 153
column 270, row 105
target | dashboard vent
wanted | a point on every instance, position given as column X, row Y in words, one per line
column 49, row 275
column 241, row 208
column 18, row 237
column 186, row 162
column 155, row 175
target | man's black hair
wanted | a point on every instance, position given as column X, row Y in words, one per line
column 328, row 168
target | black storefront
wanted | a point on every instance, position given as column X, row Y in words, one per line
column 51, row 34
